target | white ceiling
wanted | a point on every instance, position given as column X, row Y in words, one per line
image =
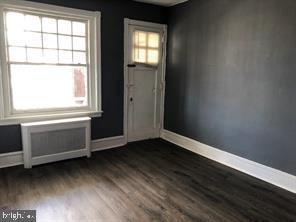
column 162, row 2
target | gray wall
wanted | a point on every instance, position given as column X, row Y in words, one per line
column 113, row 13
column 231, row 77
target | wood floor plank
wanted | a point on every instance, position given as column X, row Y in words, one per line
column 191, row 201
column 144, row 181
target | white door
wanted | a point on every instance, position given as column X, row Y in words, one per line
column 144, row 79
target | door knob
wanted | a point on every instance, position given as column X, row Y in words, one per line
column 131, row 99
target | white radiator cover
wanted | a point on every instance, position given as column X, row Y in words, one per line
column 50, row 141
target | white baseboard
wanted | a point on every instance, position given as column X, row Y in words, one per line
column 107, row 143
column 265, row 173
column 16, row 158
column 11, row 159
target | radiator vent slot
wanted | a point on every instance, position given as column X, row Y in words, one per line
column 50, row 141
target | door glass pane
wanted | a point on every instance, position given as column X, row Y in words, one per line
column 140, row 55
column 146, row 47
column 152, row 56
column 140, row 38
column 153, row 40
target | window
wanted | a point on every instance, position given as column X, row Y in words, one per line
column 52, row 64
column 146, row 47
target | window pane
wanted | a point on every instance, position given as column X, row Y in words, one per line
column 140, row 55
column 50, row 41
column 64, row 27
column 49, row 25
column 33, row 39
column 78, row 28
column 45, row 87
column 65, row 56
column 17, row 54
column 34, row 55
column 146, row 47
column 50, row 55
column 79, row 58
column 153, row 40
column 32, row 23
column 47, row 61
column 13, row 37
column 78, row 43
column 140, row 38
column 65, row 42
column 152, row 56
column 15, row 21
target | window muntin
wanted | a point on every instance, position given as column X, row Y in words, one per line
column 48, row 66
column 146, row 47
column 26, row 31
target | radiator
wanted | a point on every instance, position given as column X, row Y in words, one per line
column 50, row 141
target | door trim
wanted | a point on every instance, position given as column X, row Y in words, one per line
column 128, row 22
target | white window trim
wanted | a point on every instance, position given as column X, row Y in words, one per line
column 94, row 81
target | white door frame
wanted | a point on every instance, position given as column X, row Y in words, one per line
column 128, row 22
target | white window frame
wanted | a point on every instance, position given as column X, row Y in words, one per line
column 93, row 18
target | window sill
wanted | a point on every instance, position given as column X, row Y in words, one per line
column 26, row 119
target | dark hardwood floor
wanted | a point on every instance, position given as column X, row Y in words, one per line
column 144, row 181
